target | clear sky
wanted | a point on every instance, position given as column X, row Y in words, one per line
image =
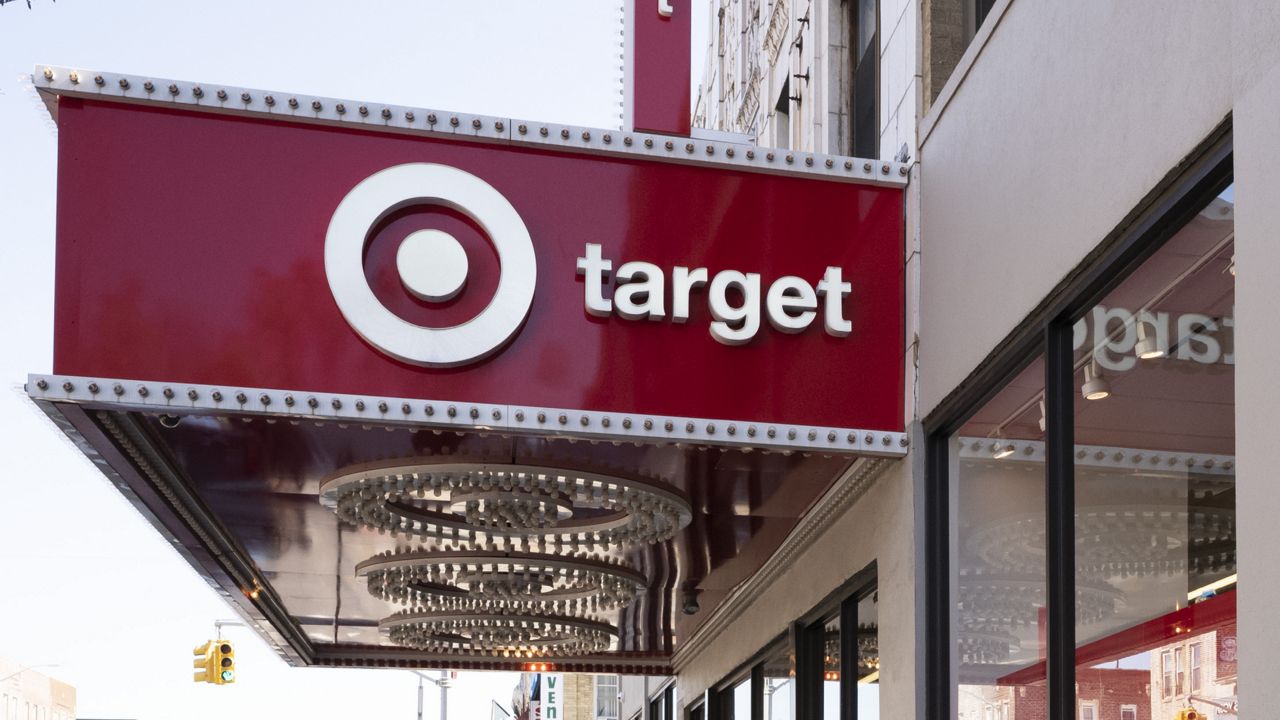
column 84, row 580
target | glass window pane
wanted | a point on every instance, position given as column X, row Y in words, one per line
column 779, row 682
column 1155, row 481
column 997, row 564
column 742, row 700
column 831, row 669
column 869, row 657
column 606, row 697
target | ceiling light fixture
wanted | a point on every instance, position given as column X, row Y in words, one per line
column 1147, row 347
column 567, row 509
column 492, row 579
column 1095, row 385
column 493, row 633
column 1001, row 449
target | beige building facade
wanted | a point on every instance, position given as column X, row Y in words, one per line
column 28, row 694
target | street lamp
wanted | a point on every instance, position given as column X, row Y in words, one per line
column 443, row 683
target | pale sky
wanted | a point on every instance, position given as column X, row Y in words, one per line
column 85, row 582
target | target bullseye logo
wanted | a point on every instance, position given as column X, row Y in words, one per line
column 431, row 263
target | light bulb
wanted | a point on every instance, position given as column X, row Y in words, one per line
column 1095, row 385
column 1146, row 347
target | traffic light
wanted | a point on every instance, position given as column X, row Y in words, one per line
column 1190, row 714
column 203, row 662
column 215, row 662
column 224, row 663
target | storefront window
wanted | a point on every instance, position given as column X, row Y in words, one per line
column 741, row 699
column 998, row 554
column 779, row 682
column 831, row 669
column 1155, row 481
column 869, row 657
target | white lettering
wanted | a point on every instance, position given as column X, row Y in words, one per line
column 788, row 294
column 1120, row 341
column 834, row 290
column 648, row 289
column 683, row 283
column 1114, row 334
column 1193, row 329
column 791, row 303
column 746, row 316
column 595, row 271
column 1230, row 322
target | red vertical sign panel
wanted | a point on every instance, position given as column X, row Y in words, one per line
column 660, row 85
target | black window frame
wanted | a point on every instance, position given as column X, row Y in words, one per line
column 1180, row 195
column 661, row 704
column 808, row 631
column 803, row 638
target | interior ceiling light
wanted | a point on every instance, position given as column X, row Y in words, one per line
column 565, row 509
column 496, row 579
column 1146, row 347
column 499, row 634
column 1001, row 449
column 1095, row 385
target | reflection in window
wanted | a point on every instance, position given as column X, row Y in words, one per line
column 831, row 669
column 779, row 682
column 1155, row 479
column 998, row 541
column 869, row 657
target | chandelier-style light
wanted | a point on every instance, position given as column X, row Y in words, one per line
column 998, row 600
column 499, row 634
column 1117, row 541
column 496, row 579
column 557, row 508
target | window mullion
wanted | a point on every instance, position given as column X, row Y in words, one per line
column 849, row 658
column 1060, row 519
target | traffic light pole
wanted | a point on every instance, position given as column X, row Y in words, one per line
column 217, row 625
column 443, row 684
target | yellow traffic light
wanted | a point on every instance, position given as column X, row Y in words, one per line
column 223, row 663
column 1190, row 714
column 215, row 662
column 203, row 662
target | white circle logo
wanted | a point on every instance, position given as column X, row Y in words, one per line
column 431, row 263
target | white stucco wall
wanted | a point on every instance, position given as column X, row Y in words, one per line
column 1066, row 118
column 878, row 527
column 1255, row 57
column 1070, row 114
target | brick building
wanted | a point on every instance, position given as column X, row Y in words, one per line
column 581, row 696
